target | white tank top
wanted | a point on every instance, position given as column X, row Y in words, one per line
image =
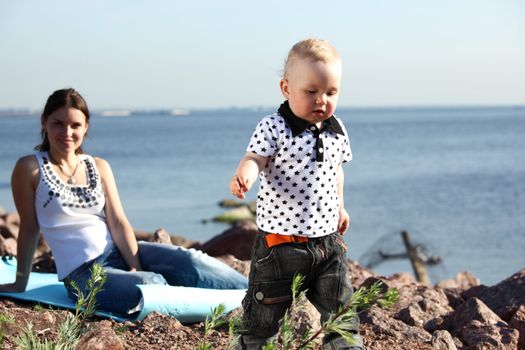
column 71, row 217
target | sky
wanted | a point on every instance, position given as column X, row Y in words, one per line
column 222, row 54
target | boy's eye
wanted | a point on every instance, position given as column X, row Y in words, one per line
column 311, row 91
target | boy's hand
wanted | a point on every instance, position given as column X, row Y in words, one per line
column 238, row 186
column 344, row 221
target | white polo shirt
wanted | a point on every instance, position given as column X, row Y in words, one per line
column 298, row 186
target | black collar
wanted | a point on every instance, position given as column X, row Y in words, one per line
column 298, row 125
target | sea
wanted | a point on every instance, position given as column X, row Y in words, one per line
column 452, row 177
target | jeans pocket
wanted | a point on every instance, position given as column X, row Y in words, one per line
column 272, row 292
column 340, row 242
column 264, row 268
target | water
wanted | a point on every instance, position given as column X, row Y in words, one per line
column 453, row 177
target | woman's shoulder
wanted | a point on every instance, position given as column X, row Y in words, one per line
column 28, row 162
column 103, row 167
column 26, row 170
column 100, row 162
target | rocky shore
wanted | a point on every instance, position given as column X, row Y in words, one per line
column 459, row 313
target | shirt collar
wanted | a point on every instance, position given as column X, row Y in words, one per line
column 298, row 125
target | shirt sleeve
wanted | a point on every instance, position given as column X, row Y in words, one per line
column 264, row 139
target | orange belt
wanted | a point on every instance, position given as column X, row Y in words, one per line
column 273, row 239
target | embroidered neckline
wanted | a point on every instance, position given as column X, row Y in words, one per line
column 71, row 195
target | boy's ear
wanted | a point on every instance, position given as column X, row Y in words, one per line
column 284, row 88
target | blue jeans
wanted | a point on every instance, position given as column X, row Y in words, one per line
column 162, row 264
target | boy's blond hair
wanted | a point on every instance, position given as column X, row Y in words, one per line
column 314, row 49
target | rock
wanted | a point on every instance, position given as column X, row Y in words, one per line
column 101, row 337
column 230, row 203
column 10, row 225
column 7, row 246
column 453, row 288
column 235, row 215
column 518, row 322
column 305, row 318
column 423, row 304
column 143, row 235
column 359, row 274
column 44, row 263
column 237, row 241
column 473, row 310
column 507, row 296
column 182, row 241
column 443, row 340
column 383, row 325
column 474, row 292
column 401, row 279
column 463, row 281
column 242, row 266
column 479, row 336
column 161, row 236
column 9, row 230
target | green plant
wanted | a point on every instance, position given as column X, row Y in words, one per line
column 217, row 320
column 4, row 319
column 86, row 304
column 39, row 308
column 341, row 323
column 69, row 331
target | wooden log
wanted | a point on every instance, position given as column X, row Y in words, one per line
column 417, row 264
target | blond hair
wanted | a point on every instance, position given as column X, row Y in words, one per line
column 314, row 49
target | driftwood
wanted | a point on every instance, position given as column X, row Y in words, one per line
column 417, row 264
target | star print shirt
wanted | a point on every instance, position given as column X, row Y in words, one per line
column 298, row 186
column 71, row 217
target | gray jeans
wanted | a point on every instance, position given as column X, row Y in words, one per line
column 321, row 261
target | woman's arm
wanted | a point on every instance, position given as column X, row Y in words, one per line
column 23, row 184
column 247, row 171
column 344, row 218
column 118, row 224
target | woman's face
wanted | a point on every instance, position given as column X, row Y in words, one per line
column 65, row 128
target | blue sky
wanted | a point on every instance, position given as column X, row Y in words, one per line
column 214, row 54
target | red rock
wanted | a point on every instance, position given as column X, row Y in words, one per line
column 101, row 337
column 7, row 246
column 398, row 331
column 9, row 230
column 463, row 281
column 237, row 241
column 518, row 322
column 161, row 236
column 474, row 310
column 422, row 305
column 443, row 340
column 143, row 235
column 479, row 336
column 507, row 296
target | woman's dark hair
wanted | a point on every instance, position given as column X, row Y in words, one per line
column 61, row 98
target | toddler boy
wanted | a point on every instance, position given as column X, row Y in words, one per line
column 298, row 153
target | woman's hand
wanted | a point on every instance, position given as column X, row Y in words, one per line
column 11, row 288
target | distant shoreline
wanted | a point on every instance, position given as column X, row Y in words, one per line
column 27, row 112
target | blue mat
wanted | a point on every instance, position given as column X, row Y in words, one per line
column 186, row 304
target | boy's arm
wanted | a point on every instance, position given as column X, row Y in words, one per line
column 344, row 218
column 249, row 168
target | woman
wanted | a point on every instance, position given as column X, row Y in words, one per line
column 72, row 199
